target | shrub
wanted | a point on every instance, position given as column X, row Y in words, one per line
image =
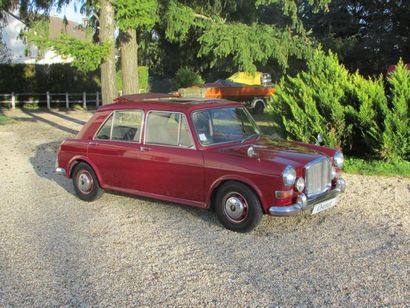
column 366, row 112
column 24, row 78
column 314, row 102
column 350, row 111
column 185, row 77
column 396, row 136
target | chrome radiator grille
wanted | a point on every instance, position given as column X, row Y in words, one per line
column 318, row 176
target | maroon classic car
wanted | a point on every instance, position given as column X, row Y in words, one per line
column 206, row 153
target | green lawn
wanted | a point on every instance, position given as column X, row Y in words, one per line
column 5, row 120
column 377, row 167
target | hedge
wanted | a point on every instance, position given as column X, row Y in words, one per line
column 32, row 78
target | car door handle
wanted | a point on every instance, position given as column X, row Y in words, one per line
column 93, row 143
column 145, row 149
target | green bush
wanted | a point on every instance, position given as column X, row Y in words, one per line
column 366, row 112
column 185, row 77
column 24, row 78
column 351, row 112
column 396, row 136
column 314, row 102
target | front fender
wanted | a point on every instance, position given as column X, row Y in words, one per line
column 236, row 178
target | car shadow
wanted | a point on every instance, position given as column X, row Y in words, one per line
column 43, row 162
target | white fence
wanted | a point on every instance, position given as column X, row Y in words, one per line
column 51, row 98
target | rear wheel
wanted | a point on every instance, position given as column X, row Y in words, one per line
column 259, row 106
column 238, row 207
column 86, row 183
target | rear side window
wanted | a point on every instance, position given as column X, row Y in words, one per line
column 123, row 125
column 105, row 131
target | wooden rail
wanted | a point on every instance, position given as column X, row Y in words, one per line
column 51, row 98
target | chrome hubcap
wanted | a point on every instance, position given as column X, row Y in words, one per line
column 236, row 208
column 85, row 182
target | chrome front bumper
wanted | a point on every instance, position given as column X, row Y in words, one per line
column 303, row 203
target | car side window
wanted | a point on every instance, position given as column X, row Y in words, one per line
column 185, row 137
column 105, row 131
column 124, row 125
column 168, row 128
column 127, row 125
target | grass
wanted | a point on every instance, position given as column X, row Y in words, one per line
column 6, row 120
column 376, row 167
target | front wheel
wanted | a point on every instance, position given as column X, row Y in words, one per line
column 238, row 207
column 86, row 183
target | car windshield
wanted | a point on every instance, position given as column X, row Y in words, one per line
column 227, row 124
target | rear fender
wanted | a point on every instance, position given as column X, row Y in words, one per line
column 81, row 158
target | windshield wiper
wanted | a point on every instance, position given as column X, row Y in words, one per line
column 250, row 137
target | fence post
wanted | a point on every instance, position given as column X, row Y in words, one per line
column 67, row 103
column 84, row 100
column 97, row 99
column 48, row 100
column 13, row 101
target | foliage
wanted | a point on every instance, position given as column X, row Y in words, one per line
column 368, row 105
column 23, row 78
column 250, row 44
column 314, row 102
column 87, row 56
column 185, row 77
column 367, row 35
column 396, row 137
column 377, row 167
column 348, row 110
column 236, row 33
column 136, row 14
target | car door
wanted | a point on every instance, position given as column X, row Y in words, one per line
column 173, row 167
column 116, row 148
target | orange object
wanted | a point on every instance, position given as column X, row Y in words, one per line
column 228, row 90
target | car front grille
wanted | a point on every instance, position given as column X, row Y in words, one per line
column 318, row 176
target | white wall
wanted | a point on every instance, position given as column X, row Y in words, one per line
column 11, row 33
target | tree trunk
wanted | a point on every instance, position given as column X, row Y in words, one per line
column 106, row 18
column 129, row 61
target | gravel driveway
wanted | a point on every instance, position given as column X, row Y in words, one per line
column 121, row 250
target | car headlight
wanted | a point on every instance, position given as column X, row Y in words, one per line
column 300, row 184
column 289, row 176
column 338, row 159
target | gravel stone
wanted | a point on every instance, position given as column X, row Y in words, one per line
column 56, row 250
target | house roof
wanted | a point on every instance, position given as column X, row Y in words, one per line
column 57, row 26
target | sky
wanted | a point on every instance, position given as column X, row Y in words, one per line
column 70, row 12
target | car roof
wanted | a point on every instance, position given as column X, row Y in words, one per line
column 168, row 102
